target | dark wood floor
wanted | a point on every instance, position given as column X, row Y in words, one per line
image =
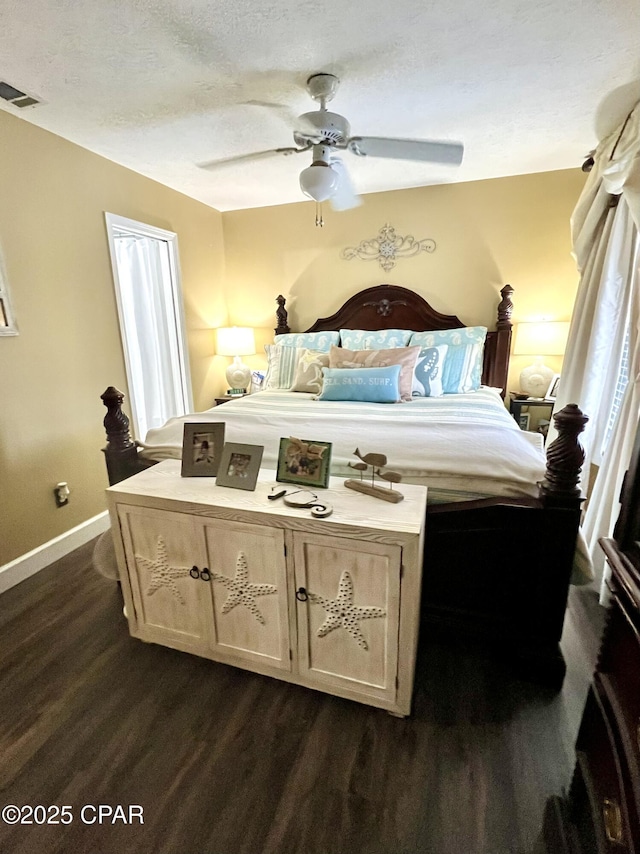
column 228, row 762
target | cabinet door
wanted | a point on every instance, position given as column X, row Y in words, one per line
column 166, row 605
column 249, row 589
column 348, row 625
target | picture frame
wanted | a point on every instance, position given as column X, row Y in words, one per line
column 552, row 391
column 239, row 465
column 523, row 420
column 304, row 462
column 202, row 444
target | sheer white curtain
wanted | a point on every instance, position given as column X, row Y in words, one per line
column 151, row 339
column 607, row 310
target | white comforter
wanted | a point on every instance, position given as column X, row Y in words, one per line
column 465, row 443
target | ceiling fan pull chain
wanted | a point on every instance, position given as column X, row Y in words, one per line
column 319, row 217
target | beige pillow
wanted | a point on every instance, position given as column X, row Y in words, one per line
column 406, row 357
column 308, row 376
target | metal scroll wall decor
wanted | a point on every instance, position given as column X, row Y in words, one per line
column 387, row 247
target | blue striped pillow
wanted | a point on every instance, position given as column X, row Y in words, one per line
column 281, row 366
column 462, row 370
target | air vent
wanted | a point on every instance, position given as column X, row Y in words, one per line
column 16, row 97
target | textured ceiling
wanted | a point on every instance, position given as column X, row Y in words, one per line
column 163, row 85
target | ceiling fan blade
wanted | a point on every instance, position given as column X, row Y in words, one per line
column 424, row 150
column 345, row 196
column 255, row 155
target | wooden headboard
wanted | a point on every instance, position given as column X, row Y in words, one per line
column 393, row 307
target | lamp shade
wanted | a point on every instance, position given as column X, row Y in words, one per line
column 544, row 338
column 319, row 181
column 235, row 341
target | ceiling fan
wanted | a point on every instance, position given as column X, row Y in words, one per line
column 323, row 133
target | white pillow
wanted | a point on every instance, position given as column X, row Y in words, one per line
column 281, row 366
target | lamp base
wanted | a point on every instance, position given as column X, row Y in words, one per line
column 239, row 375
column 535, row 379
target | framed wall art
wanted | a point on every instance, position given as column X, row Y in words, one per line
column 202, row 445
column 304, row 462
column 239, row 465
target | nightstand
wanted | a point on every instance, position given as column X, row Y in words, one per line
column 536, row 415
column 227, row 397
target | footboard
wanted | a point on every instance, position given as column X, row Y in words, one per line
column 499, row 570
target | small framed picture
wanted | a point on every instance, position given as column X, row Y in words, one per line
column 202, row 445
column 523, row 420
column 304, row 461
column 239, row 465
column 552, row 391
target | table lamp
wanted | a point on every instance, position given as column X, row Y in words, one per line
column 236, row 341
column 544, row 338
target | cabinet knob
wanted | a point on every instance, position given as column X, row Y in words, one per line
column 612, row 820
column 205, row 575
column 194, row 572
column 301, row 594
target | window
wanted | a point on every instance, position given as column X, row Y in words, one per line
column 146, row 276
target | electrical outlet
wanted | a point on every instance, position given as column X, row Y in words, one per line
column 61, row 493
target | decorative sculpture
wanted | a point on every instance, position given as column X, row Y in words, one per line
column 375, row 462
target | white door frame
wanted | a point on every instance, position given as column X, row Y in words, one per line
column 121, row 223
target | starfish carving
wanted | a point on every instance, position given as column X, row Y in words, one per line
column 342, row 613
column 242, row 591
column 162, row 574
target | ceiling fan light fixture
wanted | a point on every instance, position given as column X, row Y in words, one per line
column 319, row 181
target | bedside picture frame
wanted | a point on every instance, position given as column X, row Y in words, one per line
column 202, row 444
column 523, row 420
column 552, row 391
column 239, row 466
column 305, row 462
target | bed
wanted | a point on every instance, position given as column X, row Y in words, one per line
column 503, row 517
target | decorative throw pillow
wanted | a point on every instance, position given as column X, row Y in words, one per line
column 308, row 376
column 427, row 375
column 366, row 385
column 380, row 339
column 281, row 366
column 320, row 341
column 463, row 362
column 340, row 357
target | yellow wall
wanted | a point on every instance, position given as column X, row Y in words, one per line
column 487, row 233
column 53, row 239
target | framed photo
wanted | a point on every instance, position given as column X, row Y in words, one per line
column 202, row 445
column 523, row 420
column 552, row 391
column 304, row 461
column 239, row 465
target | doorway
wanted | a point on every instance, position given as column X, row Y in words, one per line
column 146, row 276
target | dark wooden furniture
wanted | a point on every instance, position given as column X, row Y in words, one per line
column 471, row 585
column 602, row 810
column 393, row 307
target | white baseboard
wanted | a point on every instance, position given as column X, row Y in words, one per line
column 28, row 564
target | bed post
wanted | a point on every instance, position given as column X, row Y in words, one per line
column 121, row 452
column 565, row 456
column 498, row 346
column 281, row 317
